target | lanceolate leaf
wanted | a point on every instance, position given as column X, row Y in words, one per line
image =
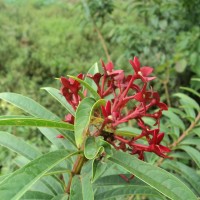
column 60, row 197
column 191, row 141
column 116, row 180
column 85, row 178
column 54, row 183
column 120, row 192
column 34, row 109
column 28, row 105
column 81, row 187
column 188, row 100
column 18, row 145
column 3, row 177
column 14, row 187
column 128, row 131
column 175, row 119
column 51, row 134
column 190, row 90
column 86, row 85
column 98, row 167
column 37, row 122
column 59, row 97
column 193, row 153
column 187, row 172
column 83, row 117
column 48, row 184
column 33, row 195
column 76, row 189
column 157, row 178
column 93, row 70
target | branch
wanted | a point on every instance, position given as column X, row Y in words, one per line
column 185, row 133
column 102, row 41
column 78, row 163
column 76, row 170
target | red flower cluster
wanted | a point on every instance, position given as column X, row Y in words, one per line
column 123, row 92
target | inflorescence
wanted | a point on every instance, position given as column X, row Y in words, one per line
column 130, row 99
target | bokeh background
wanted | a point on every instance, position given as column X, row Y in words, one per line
column 41, row 40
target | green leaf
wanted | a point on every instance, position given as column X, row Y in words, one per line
column 120, row 192
column 128, row 131
column 195, row 79
column 191, row 141
column 83, row 117
column 98, row 167
column 188, row 173
column 193, row 153
column 53, row 183
column 91, row 148
column 93, row 70
column 60, row 197
column 196, row 131
column 2, row 177
column 58, row 170
column 28, row 105
column 15, row 186
column 76, row 189
column 180, row 154
column 188, row 100
column 46, row 185
column 51, row 134
column 37, row 122
column 59, row 97
column 86, row 175
column 18, row 145
column 157, row 178
column 106, row 147
column 116, row 180
column 81, row 187
column 33, row 195
column 175, row 119
column 191, row 91
column 190, row 113
column 35, row 109
column 85, row 84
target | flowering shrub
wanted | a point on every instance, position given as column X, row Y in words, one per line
column 91, row 148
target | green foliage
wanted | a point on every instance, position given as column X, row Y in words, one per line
column 157, row 178
column 37, row 122
column 30, row 173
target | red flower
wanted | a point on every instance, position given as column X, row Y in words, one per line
column 69, row 118
column 155, row 145
column 161, row 105
column 96, row 78
column 106, row 111
column 109, row 71
column 70, row 90
column 142, row 72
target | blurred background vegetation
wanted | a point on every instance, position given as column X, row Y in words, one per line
column 41, row 40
